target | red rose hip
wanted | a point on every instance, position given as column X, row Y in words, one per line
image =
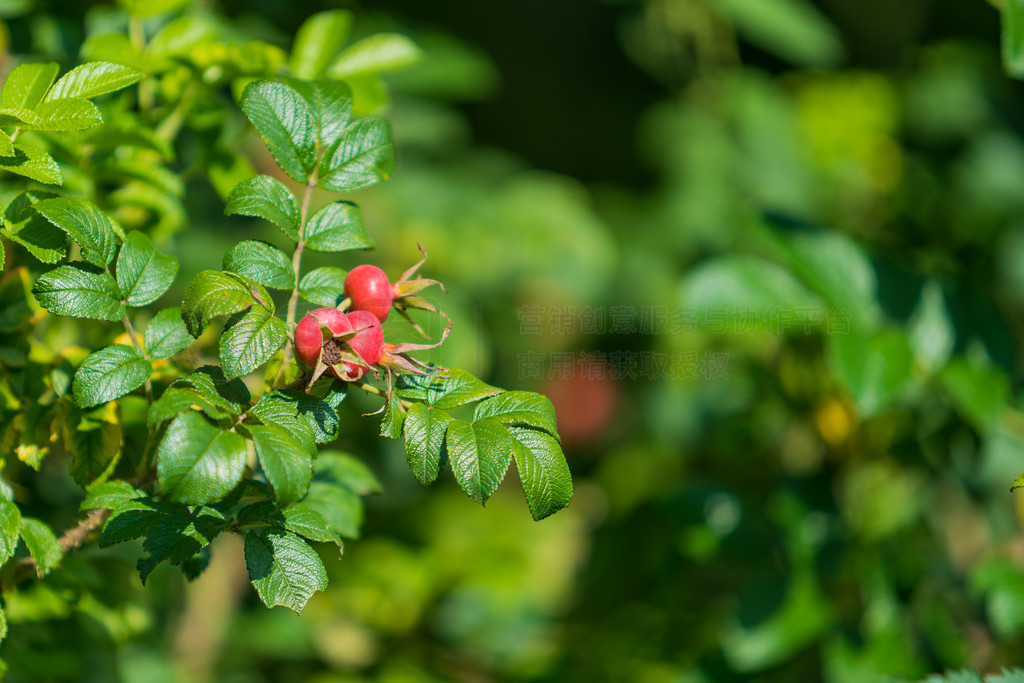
column 369, row 289
column 368, row 343
column 308, row 337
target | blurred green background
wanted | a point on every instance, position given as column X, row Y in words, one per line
column 767, row 259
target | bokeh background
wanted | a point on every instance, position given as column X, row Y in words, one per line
column 767, row 259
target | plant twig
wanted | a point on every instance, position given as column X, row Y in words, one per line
column 70, row 540
column 293, row 301
column 138, row 346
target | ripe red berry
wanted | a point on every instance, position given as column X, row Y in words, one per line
column 368, row 343
column 309, row 339
column 369, row 289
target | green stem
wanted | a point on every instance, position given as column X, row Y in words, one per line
column 138, row 346
column 293, row 301
column 377, row 391
column 169, row 127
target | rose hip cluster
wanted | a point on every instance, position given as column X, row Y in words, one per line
column 349, row 341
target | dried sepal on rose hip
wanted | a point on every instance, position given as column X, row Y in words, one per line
column 328, row 339
column 367, row 288
column 351, row 344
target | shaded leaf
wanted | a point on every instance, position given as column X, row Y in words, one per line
column 283, row 568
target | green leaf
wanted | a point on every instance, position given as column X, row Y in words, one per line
column 32, row 162
column 521, row 409
column 143, row 273
column 197, row 462
column 210, row 294
column 979, row 392
column 317, row 41
column 94, row 441
column 321, row 416
column 930, row 329
column 838, row 269
column 27, row 84
column 24, row 225
column 347, row 471
column 1014, row 675
column 391, row 424
column 177, row 400
column 179, row 536
column 132, row 519
column 42, row 545
column 18, row 117
column 756, row 286
column 135, row 166
column 479, row 454
column 148, row 8
column 376, row 54
column 1013, row 38
column 424, row 430
column 873, row 370
column 323, row 286
column 110, row 373
column 284, row 121
column 6, row 146
column 298, row 518
column 166, row 334
column 267, row 198
column 543, row 471
column 110, row 495
column 84, row 223
column 285, row 461
column 68, row 114
column 363, row 156
column 791, row 29
column 182, row 36
column 330, row 102
column 251, row 341
column 261, row 262
column 116, row 48
column 92, row 79
column 338, row 505
column 280, row 410
column 77, row 293
column 456, row 388
column 210, row 381
column 10, row 529
column 337, row 227
column 283, row 568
